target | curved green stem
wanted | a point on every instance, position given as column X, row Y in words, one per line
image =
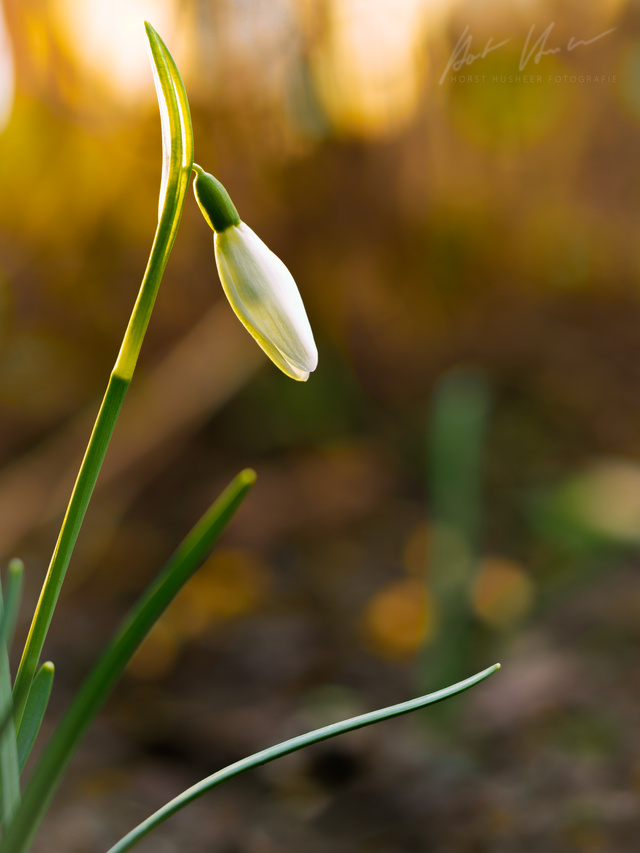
column 178, row 159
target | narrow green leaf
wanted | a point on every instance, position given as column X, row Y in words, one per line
column 34, row 712
column 136, row 835
column 9, row 772
column 89, row 699
column 13, row 597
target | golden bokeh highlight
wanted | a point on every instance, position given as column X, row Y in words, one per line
column 7, row 74
column 369, row 67
column 398, row 620
column 108, row 40
column 230, row 584
column 503, row 593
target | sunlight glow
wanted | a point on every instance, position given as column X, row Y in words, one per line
column 6, row 74
column 369, row 68
column 108, row 39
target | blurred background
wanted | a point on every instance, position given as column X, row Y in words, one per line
column 455, row 187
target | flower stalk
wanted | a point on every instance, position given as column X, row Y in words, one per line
column 178, row 157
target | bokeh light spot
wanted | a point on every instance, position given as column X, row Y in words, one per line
column 503, row 593
column 398, row 619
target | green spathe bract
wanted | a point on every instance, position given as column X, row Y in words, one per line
column 214, row 201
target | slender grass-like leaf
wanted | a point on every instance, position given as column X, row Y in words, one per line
column 136, row 835
column 9, row 770
column 89, row 699
column 12, row 599
column 34, row 712
column 177, row 162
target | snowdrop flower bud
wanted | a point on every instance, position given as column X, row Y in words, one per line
column 258, row 285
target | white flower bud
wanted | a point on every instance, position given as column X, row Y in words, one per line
column 264, row 296
column 259, row 287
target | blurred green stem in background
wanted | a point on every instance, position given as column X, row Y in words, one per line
column 177, row 141
column 456, row 440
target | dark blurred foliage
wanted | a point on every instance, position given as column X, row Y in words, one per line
column 459, row 482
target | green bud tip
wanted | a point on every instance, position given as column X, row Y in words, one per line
column 214, row 201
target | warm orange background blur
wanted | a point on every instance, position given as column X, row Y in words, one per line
column 459, row 482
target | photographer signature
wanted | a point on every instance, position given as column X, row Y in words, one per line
column 531, row 50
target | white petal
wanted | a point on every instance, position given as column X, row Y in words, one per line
column 265, row 298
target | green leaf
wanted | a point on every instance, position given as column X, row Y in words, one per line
column 9, row 771
column 13, row 597
column 34, row 712
column 136, row 835
column 89, row 699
